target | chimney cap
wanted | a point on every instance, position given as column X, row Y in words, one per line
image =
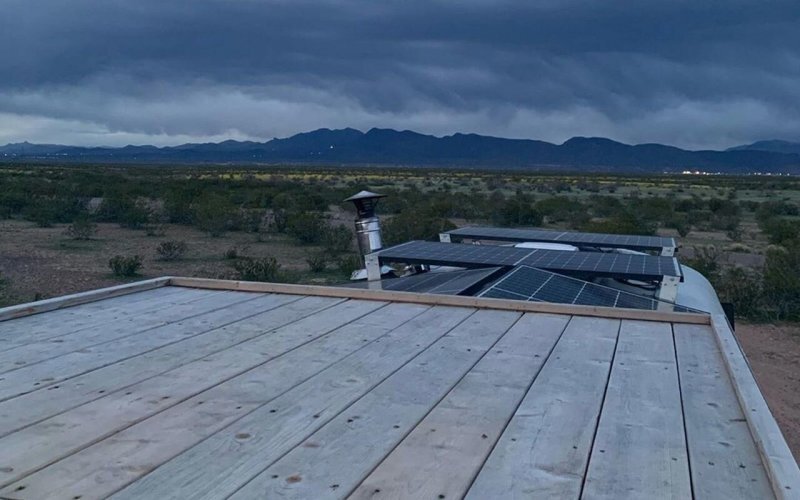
column 365, row 195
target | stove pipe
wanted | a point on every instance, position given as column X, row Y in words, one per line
column 368, row 226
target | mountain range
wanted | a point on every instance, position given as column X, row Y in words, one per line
column 350, row 147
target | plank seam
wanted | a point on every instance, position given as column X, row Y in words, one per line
column 433, row 407
column 134, row 331
column 278, row 395
column 179, row 401
column 683, row 412
column 355, row 401
column 212, row 353
column 600, row 412
column 58, row 381
column 118, row 308
column 519, row 403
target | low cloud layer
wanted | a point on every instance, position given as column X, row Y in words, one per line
column 111, row 72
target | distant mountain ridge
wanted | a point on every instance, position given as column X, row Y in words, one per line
column 774, row 146
column 350, row 147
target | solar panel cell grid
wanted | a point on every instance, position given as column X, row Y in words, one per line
column 645, row 267
column 530, row 284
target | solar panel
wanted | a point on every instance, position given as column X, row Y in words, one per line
column 534, row 285
column 624, row 266
column 440, row 283
column 632, row 242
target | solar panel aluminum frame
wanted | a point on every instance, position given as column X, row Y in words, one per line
column 666, row 246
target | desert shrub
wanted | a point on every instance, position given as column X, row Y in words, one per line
column 178, row 207
column 622, row 223
column 317, row 262
column 214, row 215
column 231, row 253
column 338, row 239
column 155, row 225
column 780, row 231
column 126, row 211
column 781, row 282
column 563, row 209
column 257, row 269
column 307, row 227
column 411, row 225
column 742, row 288
column 82, row 228
column 348, row 263
column 705, row 261
column 249, row 221
column 279, row 220
column 518, row 211
column 125, row 266
column 171, row 250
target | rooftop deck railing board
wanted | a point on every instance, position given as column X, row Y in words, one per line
column 41, row 306
column 775, row 453
column 337, row 394
column 449, row 300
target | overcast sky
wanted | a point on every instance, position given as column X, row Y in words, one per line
column 694, row 73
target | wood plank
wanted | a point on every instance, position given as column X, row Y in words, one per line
column 144, row 446
column 221, row 464
column 545, row 447
column 775, row 454
column 38, row 405
column 444, row 450
column 162, row 312
column 448, row 300
column 41, row 306
column 53, row 371
column 20, row 331
column 640, row 447
column 36, row 446
column 723, row 459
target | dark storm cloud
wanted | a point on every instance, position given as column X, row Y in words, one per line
column 701, row 73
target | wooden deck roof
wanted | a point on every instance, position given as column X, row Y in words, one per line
column 252, row 390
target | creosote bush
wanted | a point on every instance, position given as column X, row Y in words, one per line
column 82, row 228
column 125, row 266
column 257, row 269
column 171, row 250
column 317, row 262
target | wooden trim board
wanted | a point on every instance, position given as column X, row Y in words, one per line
column 442, row 300
column 781, row 466
column 75, row 299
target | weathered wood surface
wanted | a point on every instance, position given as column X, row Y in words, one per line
column 41, row 306
column 324, row 396
column 165, row 435
column 447, row 300
column 43, row 403
column 53, row 371
column 724, row 460
column 41, row 444
column 781, row 466
column 40, row 327
column 161, row 313
column 546, row 445
column 445, row 451
column 640, row 447
column 227, row 460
